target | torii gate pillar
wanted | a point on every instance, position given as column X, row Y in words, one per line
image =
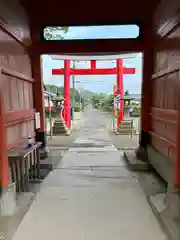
column 120, row 87
column 67, row 115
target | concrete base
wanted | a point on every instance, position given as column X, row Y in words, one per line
column 55, row 156
column 172, row 202
column 68, row 133
column 41, row 137
column 158, row 202
column 8, row 200
column 10, row 223
column 155, row 191
column 164, row 168
column 134, row 163
column 142, row 154
column 44, row 152
column 59, row 128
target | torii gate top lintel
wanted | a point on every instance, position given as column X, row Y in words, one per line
column 95, row 71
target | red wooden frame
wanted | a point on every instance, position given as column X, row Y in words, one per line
column 18, row 75
column 4, row 166
column 19, row 142
column 173, row 117
column 93, row 71
column 170, row 25
column 15, row 117
column 67, row 71
column 166, row 115
column 7, row 119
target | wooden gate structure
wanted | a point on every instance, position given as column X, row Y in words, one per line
column 67, row 72
column 21, row 86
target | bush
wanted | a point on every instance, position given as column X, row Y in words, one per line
column 136, row 114
column 77, row 108
column 136, row 108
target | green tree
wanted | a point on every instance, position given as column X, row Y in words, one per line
column 126, row 93
column 59, row 91
column 128, row 101
column 55, row 33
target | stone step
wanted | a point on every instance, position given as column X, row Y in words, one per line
column 126, row 127
column 56, row 132
column 59, row 128
column 127, row 131
column 59, row 125
column 59, row 132
column 126, row 124
column 134, row 163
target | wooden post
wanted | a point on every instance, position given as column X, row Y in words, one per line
column 38, row 92
column 120, row 87
column 67, row 93
column 4, row 166
column 177, row 159
column 93, row 64
column 146, row 97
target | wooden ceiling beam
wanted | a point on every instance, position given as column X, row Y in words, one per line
column 87, row 47
column 50, row 12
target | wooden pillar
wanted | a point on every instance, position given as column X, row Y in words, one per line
column 93, row 64
column 177, row 158
column 120, row 87
column 38, row 92
column 146, row 96
column 4, row 166
column 67, row 93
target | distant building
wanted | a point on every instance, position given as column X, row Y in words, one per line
column 136, row 97
column 48, row 99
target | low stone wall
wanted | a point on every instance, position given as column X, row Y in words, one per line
column 161, row 163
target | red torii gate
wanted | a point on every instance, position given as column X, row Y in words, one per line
column 67, row 71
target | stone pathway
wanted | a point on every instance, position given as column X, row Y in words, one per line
column 90, row 195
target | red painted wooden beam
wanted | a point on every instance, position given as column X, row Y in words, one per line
column 93, row 64
column 67, row 93
column 96, row 71
column 18, row 142
column 120, row 87
column 4, row 166
column 13, row 117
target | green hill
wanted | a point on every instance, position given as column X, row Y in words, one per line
column 87, row 95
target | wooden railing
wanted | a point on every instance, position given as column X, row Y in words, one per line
column 25, row 166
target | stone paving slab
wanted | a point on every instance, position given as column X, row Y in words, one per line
column 70, row 206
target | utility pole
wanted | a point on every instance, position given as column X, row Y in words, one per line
column 50, row 115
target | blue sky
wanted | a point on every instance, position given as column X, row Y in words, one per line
column 100, row 83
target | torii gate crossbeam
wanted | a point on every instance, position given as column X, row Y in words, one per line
column 67, row 71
